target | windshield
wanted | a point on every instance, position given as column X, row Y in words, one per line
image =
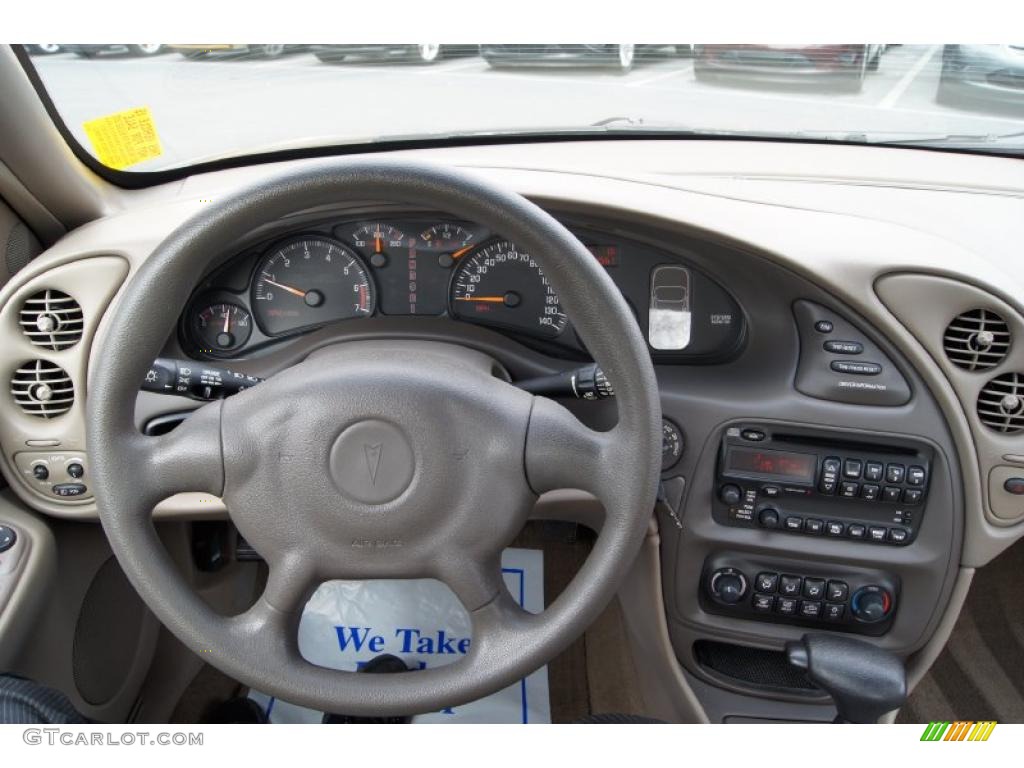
column 152, row 107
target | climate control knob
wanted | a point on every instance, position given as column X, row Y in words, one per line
column 768, row 518
column 730, row 494
column 728, row 585
column 870, row 604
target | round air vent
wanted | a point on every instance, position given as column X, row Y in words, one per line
column 977, row 340
column 51, row 320
column 42, row 389
column 1001, row 403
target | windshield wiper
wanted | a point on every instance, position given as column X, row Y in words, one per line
column 954, row 139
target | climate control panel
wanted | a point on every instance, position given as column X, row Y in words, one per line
column 827, row 597
column 815, row 483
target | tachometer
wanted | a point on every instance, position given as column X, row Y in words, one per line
column 309, row 281
column 497, row 284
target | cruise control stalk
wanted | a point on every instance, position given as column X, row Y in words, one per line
column 188, row 378
column 585, row 383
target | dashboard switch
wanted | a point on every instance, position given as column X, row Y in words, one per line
column 69, row 489
column 870, row 604
column 8, row 538
column 1014, row 485
column 40, row 472
column 75, row 470
column 766, row 582
column 768, row 518
column 728, row 585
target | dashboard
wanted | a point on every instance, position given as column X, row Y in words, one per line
column 854, row 467
column 342, row 271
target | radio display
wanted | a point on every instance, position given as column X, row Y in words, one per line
column 783, row 465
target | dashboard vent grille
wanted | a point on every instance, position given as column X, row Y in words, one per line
column 43, row 389
column 977, row 340
column 1001, row 403
column 51, row 320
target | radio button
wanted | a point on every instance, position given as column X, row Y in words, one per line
column 890, row 493
column 873, row 471
column 915, row 476
column 771, row 491
column 829, row 475
column 753, row 435
column 912, row 496
column 852, row 468
column 794, row 523
column 869, row 492
column 768, row 518
column 814, row 588
column 832, row 528
column 857, row 531
column 790, row 585
column 838, row 591
column 812, row 525
column 844, row 347
column 895, row 473
column 730, row 494
column 898, row 535
column 766, row 582
column 878, row 533
column 810, row 609
column 786, row 606
column 849, row 490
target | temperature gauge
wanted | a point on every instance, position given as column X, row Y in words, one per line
column 221, row 328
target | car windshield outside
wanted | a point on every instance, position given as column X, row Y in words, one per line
column 154, row 107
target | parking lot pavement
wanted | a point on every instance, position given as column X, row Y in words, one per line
column 223, row 106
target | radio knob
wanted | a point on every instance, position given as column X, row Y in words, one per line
column 728, row 585
column 768, row 518
column 730, row 494
column 871, row 604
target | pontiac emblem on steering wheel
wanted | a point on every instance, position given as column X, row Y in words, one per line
column 373, row 453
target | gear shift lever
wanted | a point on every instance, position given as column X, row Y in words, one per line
column 864, row 681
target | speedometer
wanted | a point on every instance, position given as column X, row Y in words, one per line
column 498, row 284
column 309, row 281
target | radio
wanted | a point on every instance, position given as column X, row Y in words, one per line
column 816, row 483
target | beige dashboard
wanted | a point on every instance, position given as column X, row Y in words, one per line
column 909, row 239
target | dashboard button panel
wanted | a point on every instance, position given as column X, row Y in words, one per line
column 846, row 598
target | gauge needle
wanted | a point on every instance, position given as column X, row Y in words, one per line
column 227, row 321
column 491, row 299
column 295, row 291
column 378, row 246
column 462, row 251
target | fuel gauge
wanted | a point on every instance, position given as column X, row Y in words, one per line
column 221, row 328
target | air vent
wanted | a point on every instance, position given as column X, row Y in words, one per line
column 1001, row 403
column 42, row 389
column 977, row 340
column 51, row 320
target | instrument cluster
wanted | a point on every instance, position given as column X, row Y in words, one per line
column 341, row 272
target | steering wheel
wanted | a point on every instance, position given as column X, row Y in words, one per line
column 375, row 460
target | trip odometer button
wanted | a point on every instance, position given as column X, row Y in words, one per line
column 310, row 281
column 497, row 284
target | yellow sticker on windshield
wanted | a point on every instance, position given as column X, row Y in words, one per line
column 124, row 138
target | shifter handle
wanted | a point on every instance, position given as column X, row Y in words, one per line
column 865, row 681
